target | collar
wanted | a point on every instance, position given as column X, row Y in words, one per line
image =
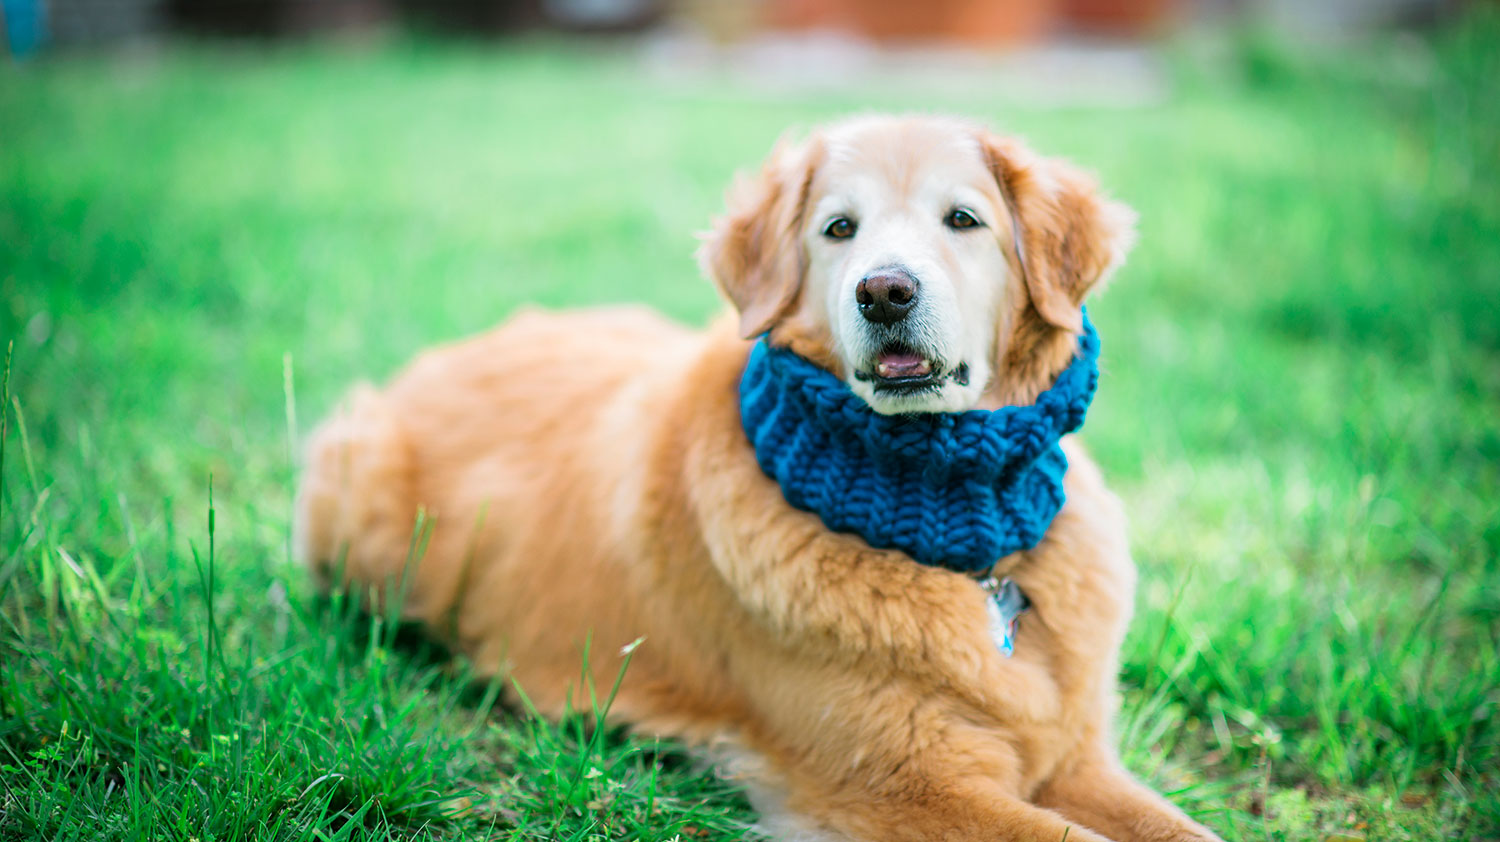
column 954, row 490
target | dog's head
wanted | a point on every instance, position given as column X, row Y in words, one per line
column 932, row 265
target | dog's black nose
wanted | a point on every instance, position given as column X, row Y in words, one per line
column 886, row 295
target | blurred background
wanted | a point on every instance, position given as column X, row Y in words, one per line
column 217, row 214
column 33, row 24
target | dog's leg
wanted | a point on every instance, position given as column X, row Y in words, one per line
column 973, row 814
column 903, row 768
column 356, row 516
column 1095, row 791
column 919, row 812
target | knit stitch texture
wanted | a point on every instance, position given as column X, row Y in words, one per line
column 956, row 490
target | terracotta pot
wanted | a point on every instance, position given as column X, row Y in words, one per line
column 987, row 22
column 1119, row 17
column 1001, row 21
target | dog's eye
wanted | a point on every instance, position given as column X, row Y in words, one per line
column 959, row 218
column 839, row 228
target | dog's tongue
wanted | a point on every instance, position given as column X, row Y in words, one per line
column 902, row 364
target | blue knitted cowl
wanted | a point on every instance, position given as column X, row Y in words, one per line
column 957, row 490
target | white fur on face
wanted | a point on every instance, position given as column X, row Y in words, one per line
column 898, row 191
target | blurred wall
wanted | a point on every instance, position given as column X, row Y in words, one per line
column 101, row 21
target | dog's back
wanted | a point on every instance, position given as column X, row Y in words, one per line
column 497, row 483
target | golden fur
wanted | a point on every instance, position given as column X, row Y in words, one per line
column 586, row 475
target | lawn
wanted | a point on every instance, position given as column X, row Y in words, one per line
column 201, row 246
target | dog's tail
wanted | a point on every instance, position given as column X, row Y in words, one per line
column 356, row 517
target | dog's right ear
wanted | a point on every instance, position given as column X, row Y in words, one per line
column 753, row 252
column 1070, row 236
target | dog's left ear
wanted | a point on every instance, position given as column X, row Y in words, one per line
column 1070, row 237
column 753, row 252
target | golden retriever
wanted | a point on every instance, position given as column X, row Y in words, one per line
column 586, row 476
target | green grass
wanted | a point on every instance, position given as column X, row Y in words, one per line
column 1299, row 408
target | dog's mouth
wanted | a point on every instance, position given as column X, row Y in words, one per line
column 901, row 369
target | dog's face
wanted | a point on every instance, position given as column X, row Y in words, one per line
column 933, row 266
column 904, row 236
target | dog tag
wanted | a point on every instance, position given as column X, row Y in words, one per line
column 1004, row 603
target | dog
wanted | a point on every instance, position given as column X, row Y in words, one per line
column 586, row 478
